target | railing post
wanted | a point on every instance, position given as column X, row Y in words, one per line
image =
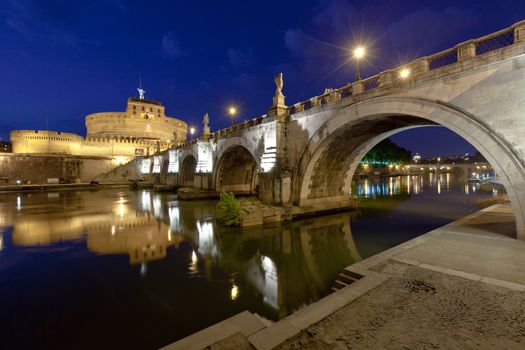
column 335, row 95
column 314, row 102
column 420, row 66
column 386, row 78
column 466, row 50
column 519, row 31
column 357, row 87
column 299, row 107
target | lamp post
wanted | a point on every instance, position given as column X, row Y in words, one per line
column 359, row 53
column 404, row 73
column 232, row 111
column 192, row 131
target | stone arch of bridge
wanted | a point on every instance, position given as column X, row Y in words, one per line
column 188, row 166
column 236, row 168
column 329, row 160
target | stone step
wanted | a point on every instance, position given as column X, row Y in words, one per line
column 340, row 284
column 263, row 319
column 345, row 278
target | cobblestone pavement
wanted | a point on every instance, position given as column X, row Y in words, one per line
column 422, row 309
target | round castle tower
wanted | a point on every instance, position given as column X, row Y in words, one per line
column 143, row 128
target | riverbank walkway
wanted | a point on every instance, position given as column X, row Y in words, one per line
column 459, row 286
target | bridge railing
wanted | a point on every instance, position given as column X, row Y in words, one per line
column 419, row 67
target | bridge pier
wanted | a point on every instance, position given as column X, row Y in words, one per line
column 275, row 188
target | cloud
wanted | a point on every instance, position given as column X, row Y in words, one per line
column 170, row 46
column 241, row 58
column 51, row 21
column 426, row 30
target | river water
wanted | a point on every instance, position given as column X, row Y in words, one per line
column 138, row 269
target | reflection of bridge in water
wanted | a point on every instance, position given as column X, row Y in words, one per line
column 286, row 265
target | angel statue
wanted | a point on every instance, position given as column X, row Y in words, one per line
column 278, row 78
column 141, row 93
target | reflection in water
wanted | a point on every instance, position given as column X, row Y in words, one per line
column 169, row 258
column 234, row 294
column 376, row 187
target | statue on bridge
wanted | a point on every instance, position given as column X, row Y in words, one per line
column 278, row 98
column 206, row 130
column 278, row 78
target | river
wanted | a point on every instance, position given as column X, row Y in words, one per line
column 138, row 269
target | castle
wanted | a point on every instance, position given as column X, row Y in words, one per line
column 142, row 129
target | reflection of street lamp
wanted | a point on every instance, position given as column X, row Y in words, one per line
column 232, row 111
column 192, row 131
column 359, row 53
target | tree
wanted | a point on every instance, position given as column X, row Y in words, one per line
column 387, row 151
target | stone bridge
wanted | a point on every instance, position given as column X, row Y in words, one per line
column 305, row 155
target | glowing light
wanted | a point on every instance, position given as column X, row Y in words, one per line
column 232, row 110
column 145, row 166
column 121, row 210
column 234, row 294
column 207, row 243
column 156, row 165
column 119, row 160
column 193, row 268
column 404, row 73
column 18, row 203
column 169, row 235
column 174, row 215
column 143, row 269
column 173, row 166
column 192, row 130
column 113, row 230
column 359, row 52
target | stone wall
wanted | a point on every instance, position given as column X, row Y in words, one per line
column 38, row 168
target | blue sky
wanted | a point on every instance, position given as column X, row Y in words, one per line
column 61, row 60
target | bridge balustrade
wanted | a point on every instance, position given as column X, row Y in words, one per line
column 443, row 59
column 371, row 83
column 495, row 41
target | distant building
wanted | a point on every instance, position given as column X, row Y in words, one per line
column 416, row 158
column 5, row 147
column 142, row 129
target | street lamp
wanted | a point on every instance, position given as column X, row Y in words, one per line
column 192, row 131
column 404, row 73
column 232, row 111
column 359, row 53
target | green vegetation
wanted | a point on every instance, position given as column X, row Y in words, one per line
column 386, row 152
column 229, row 210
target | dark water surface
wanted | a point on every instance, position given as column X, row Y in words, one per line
column 118, row 268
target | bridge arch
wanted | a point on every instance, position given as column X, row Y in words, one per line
column 236, row 168
column 187, row 169
column 330, row 158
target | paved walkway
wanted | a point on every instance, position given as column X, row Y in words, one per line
column 461, row 286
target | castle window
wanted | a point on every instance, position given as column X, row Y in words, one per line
column 143, row 108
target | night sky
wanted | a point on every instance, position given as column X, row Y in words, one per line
column 65, row 59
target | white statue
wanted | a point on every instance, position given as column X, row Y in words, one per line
column 278, row 78
column 141, row 93
column 206, row 120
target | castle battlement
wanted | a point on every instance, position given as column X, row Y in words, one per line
column 142, row 129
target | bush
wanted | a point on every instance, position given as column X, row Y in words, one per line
column 229, row 210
